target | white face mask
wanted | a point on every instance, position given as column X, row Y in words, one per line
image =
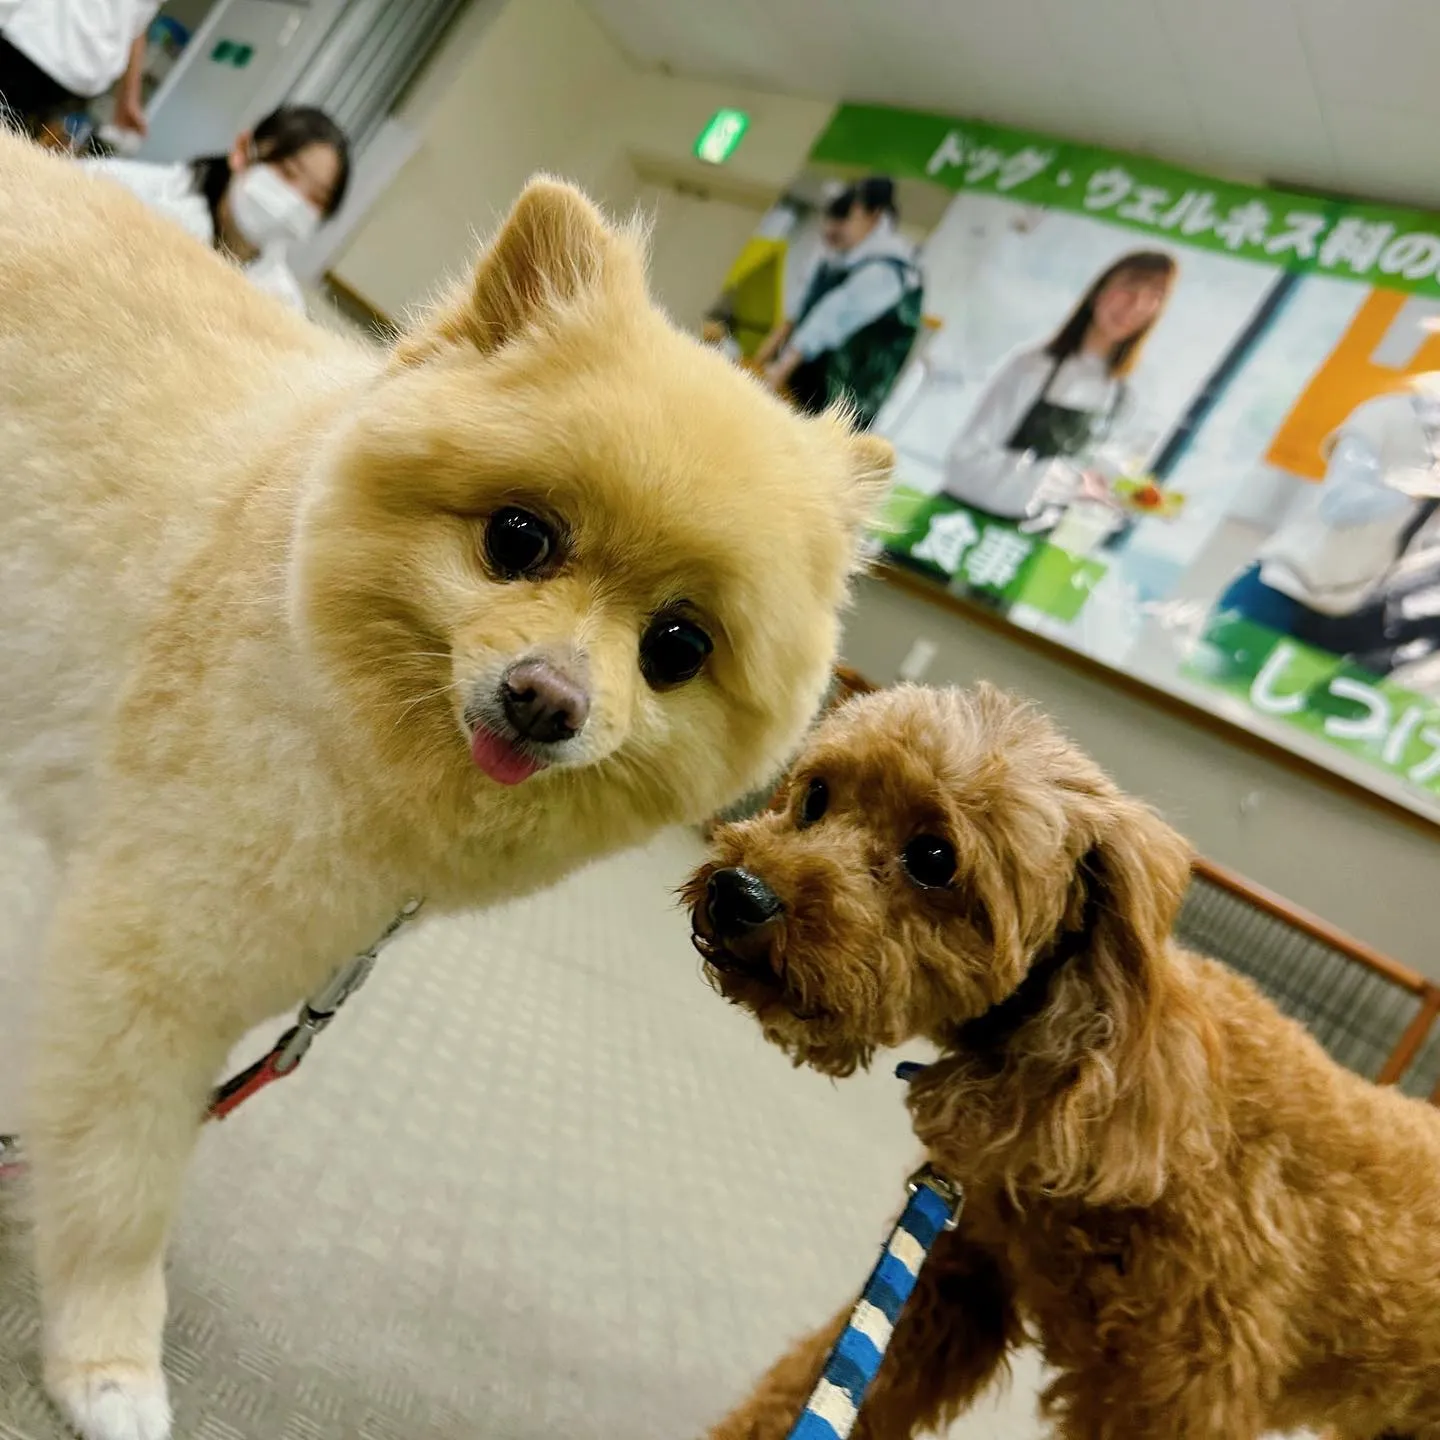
column 269, row 212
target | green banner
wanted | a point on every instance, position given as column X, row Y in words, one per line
column 1326, row 696
column 993, row 561
column 1374, row 244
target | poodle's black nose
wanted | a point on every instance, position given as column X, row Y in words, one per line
column 740, row 902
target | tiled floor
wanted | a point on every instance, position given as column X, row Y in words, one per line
column 536, row 1181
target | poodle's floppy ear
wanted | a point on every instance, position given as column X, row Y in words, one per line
column 1112, row 1086
column 1136, row 877
column 553, row 250
column 1140, row 1045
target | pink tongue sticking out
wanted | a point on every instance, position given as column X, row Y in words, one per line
column 500, row 760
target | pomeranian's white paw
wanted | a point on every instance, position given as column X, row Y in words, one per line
column 113, row 1402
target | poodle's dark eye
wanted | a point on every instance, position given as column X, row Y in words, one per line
column 673, row 650
column 814, row 803
column 518, row 544
column 929, row 861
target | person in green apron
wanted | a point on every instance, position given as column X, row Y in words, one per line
column 858, row 318
column 1059, row 400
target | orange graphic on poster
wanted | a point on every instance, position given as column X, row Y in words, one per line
column 1348, row 377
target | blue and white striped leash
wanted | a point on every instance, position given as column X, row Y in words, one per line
column 934, row 1207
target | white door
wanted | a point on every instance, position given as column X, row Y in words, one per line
column 237, row 67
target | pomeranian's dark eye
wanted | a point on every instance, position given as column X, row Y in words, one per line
column 929, row 861
column 814, row 803
column 672, row 651
column 518, row 544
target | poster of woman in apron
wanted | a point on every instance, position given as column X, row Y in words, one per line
column 1061, row 400
column 1355, row 567
column 857, row 321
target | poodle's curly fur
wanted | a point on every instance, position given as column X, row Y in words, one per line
column 1209, row 1227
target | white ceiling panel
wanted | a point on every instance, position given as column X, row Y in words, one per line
column 1367, row 51
column 1251, row 88
column 1336, row 94
column 1386, row 152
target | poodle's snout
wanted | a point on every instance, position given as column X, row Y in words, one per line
column 739, row 903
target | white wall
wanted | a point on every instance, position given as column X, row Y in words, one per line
column 519, row 104
column 694, row 239
column 1360, row 867
column 536, row 85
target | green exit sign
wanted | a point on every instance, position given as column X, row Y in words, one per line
column 234, row 53
column 717, row 141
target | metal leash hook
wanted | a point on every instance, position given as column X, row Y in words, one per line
column 315, row 1015
column 286, row 1053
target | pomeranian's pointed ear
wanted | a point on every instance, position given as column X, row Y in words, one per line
column 1140, row 871
column 553, row 250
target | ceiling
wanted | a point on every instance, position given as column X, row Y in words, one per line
column 1336, row 95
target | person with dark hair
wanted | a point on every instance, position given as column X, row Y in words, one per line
column 274, row 189
column 857, row 321
column 55, row 55
column 1059, row 400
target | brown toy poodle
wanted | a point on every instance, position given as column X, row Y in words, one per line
column 1209, row 1228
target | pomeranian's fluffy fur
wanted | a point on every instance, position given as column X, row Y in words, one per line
column 286, row 622
column 1208, row 1226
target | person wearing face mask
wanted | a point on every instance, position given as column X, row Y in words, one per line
column 277, row 186
column 1059, row 400
column 858, row 318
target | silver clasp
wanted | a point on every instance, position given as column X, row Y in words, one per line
column 320, row 1009
column 950, row 1193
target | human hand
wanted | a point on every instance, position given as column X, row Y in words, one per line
column 1059, row 484
column 130, row 115
column 1094, row 486
column 778, row 372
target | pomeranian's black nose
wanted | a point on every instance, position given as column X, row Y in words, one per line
column 543, row 703
column 739, row 902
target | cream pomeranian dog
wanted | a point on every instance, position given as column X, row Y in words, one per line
column 291, row 631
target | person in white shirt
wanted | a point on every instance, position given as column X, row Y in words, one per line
column 1059, row 400
column 55, row 55
column 1352, row 567
column 857, row 321
column 274, row 189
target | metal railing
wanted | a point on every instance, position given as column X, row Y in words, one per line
column 1370, row 1012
